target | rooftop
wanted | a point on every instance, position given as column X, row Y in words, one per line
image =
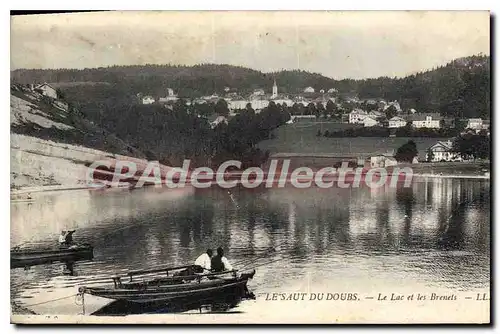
column 446, row 144
column 423, row 116
column 397, row 118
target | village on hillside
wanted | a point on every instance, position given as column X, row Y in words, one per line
column 327, row 106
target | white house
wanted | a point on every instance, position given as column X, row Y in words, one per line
column 211, row 98
column 369, row 121
column 332, row 90
column 259, row 104
column 237, row 104
column 47, row 90
column 475, row 123
column 309, row 90
column 148, row 100
column 430, row 120
column 442, row 150
column 382, row 160
column 170, row 97
column 397, row 122
column 357, row 116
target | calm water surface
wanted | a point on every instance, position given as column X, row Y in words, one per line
column 435, row 234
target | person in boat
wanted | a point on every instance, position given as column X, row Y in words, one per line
column 29, row 196
column 203, row 262
column 66, row 238
column 219, row 262
column 62, row 237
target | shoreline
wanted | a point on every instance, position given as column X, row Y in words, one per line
column 35, row 189
column 460, row 170
column 452, row 176
column 39, row 189
column 16, row 309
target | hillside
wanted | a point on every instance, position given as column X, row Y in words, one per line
column 459, row 88
column 52, row 140
column 194, row 81
column 51, row 143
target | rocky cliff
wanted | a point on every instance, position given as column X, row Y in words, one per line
column 51, row 143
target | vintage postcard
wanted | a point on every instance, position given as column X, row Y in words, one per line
column 199, row 167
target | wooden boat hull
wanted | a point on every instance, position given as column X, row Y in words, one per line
column 30, row 257
column 175, row 293
column 212, row 302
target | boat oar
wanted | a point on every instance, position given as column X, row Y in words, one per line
column 265, row 263
column 265, row 253
column 232, row 199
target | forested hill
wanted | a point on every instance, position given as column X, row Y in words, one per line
column 459, row 88
column 205, row 79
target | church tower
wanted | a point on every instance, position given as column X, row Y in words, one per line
column 275, row 90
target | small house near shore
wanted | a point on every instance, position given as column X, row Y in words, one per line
column 382, row 161
column 442, row 151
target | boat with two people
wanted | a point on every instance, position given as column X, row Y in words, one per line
column 176, row 288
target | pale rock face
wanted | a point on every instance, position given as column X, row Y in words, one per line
column 24, row 112
column 37, row 162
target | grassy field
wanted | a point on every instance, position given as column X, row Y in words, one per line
column 301, row 138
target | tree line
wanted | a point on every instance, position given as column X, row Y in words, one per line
column 171, row 136
column 461, row 88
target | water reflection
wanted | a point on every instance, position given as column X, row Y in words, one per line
column 434, row 233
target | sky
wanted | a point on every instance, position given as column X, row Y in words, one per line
column 336, row 44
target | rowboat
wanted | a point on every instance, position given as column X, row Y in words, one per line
column 25, row 257
column 177, row 286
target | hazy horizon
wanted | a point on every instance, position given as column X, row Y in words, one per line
column 339, row 45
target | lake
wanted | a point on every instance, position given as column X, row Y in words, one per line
column 433, row 237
